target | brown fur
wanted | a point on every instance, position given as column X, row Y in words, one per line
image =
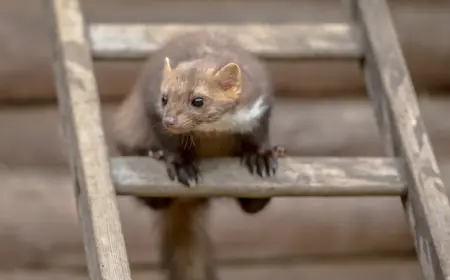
column 180, row 86
column 199, row 64
column 186, row 247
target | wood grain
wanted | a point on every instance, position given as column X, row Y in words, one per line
column 299, row 176
column 280, row 41
column 426, row 203
column 80, row 112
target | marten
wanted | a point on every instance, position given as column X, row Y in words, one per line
column 200, row 95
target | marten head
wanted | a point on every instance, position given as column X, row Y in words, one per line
column 196, row 98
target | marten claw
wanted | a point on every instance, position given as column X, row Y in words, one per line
column 185, row 173
column 279, row 151
column 264, row 163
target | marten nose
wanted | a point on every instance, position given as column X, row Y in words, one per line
column 169, row 121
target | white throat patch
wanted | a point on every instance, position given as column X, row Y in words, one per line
column 242, row 120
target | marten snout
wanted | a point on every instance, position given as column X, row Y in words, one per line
column 176, row 123
column 169, row 121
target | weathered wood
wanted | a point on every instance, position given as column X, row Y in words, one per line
column 80, row 112
column 374, row 88
column 281, row 41
column 296, row 177
column 427, row 204
column 379, row 103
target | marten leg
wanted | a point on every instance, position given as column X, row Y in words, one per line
column 179, row 158
column 251, row 205
column 259, row 157
column 181, row 167
column 156, row 203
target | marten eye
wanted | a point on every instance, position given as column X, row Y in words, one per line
column 197, row 102
column 164, row 100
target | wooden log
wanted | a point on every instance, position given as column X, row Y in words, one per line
column 387, row 268
column 280, row 41
column 426, row 203
column 295, row 177
column 79, row 107
column 305, row 128
column 25, row 74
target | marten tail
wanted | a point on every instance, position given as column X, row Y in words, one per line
column 186, row 247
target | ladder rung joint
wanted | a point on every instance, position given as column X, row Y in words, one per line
column 296, row 176
column 271, row 41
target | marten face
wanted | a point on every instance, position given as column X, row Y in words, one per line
column 193, row 100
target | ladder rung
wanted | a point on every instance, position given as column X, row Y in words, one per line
column 280, row 41
column 297, row 176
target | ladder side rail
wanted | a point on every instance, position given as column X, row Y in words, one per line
column 80, row 113
column 426, row 202
column 374, row 86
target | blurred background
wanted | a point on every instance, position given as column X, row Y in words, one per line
column 295, row 238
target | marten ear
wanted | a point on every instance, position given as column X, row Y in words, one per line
column 167, row 67
column 230, row 79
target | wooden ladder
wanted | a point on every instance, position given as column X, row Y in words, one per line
column 410, row 172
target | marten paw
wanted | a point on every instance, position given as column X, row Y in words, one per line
column 264, row 163
column 185, row 173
